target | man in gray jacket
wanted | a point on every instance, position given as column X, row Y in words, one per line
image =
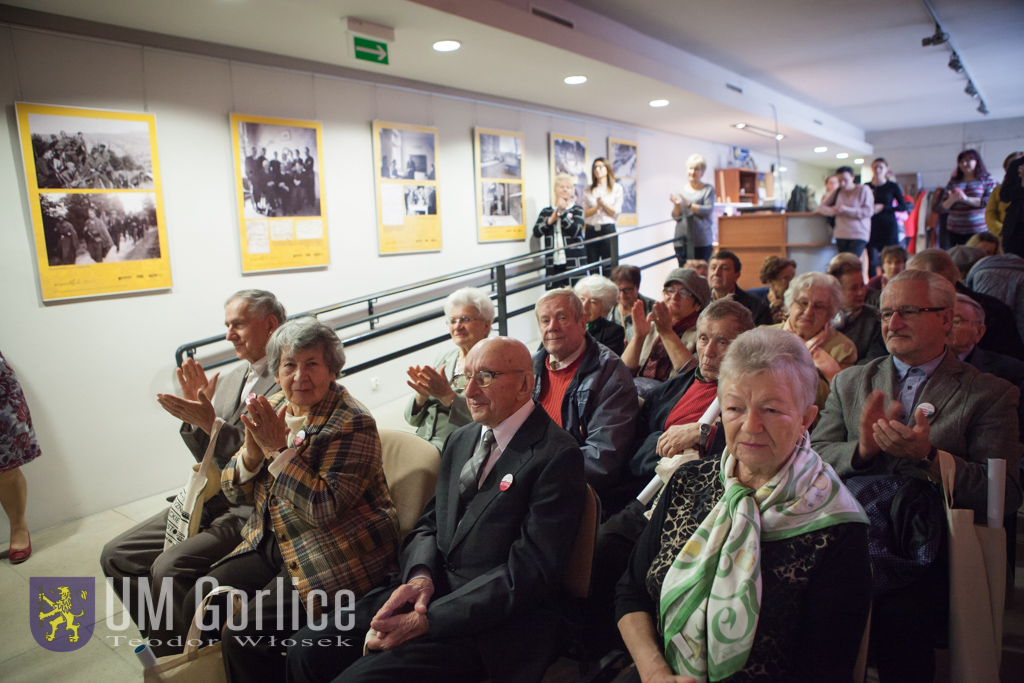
column 586, row 390
column 892, row 416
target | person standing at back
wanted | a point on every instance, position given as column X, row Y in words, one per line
column 884, row 227
column 966, row 199
column 602, row 204
column 692, row 207
column 852, row 206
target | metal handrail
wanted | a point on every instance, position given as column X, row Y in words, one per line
column 498, row 277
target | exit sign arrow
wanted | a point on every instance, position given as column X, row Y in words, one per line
column 371, row 50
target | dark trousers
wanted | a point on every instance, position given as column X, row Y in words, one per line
column 699, row 253
column 855, row 247
column 905, row 624
column 954, row 238
column 139, row 553
column 599, row 251
column 255, row 652
column 337, row 655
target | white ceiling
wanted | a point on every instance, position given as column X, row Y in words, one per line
column 832, row 70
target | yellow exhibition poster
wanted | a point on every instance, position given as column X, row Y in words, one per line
column 282, row 212
column 499, row 182
column 622, row 155
column 94, row 190
column 405, row 168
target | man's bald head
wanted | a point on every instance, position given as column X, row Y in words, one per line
column 511, row 386
column 935, row 261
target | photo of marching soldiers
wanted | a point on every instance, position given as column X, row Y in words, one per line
column 502, row 204
column 74, row 152
column 281, row 174
column 86, row 228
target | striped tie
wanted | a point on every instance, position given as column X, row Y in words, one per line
column 471, row 470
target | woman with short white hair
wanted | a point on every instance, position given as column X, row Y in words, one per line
column 560, row 227
column 436, row 409
column 599, row 296
column 692, row 207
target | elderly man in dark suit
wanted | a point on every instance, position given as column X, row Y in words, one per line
column 250, row 316
column 893, row 415
column 723, row 273
column 479, row 591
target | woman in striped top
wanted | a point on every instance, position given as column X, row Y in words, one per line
column 967, row 196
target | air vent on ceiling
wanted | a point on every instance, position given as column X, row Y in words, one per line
column 737, row 88
column 543, row 14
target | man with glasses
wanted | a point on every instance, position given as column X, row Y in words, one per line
column 627, row 279
column 963, row 337
column 723, row 274
column 505, row 515
column 585, row 389
column 892, row 416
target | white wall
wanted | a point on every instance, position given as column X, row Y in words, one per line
column 91, row 369
column 932, row 150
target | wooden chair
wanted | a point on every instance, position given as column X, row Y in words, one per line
column 410, row 468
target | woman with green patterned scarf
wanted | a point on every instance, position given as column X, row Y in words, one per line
column 754, row 565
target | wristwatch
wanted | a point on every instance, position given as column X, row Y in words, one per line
column 927, row 461
column 705, row 434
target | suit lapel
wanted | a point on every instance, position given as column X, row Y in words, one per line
column 264, row 386
column 459, row 458
column 225, row 401
column 941, row 386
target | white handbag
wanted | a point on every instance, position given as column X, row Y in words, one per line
column 203, row 483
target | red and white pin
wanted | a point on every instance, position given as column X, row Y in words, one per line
column 506, row 481
column 299, row 438
column 927, row 408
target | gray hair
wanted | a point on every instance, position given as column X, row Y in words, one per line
column 975, row 306
column 472, row 298
column 935, row 261
column 601, row 287
column 563, row 178
column 813, row 279
column 261, row 304
column 726, row 308
column 571, row 300
column 768, row 349
column 303, row 334
column 696, row 160
column 940, row 290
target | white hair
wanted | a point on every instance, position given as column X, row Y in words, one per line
column 696, row 160
column 771, row 350
column 470, row 297
column 601, row 287
column 814, row 279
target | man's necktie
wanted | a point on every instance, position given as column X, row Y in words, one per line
column 471, row 470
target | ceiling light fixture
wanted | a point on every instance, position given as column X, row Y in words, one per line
column 937, row 38
column 971, row 90
column 659, row 103
column 955, row 64
column 782, row 169
column 858, row 161
column 763, row 132
column 819, row 150
column 843, row 155
column 575, row 80
column 447, row 45
column 982, row 109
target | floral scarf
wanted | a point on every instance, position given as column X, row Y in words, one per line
column 711, row 596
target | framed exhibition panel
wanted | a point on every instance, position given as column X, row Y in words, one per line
column 282, row 212
column 622, row 155
column 499, row 183
column 405, row 168
column 93, row 181
column 569, row 155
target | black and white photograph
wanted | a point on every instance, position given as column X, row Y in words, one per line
column 420, row 200
column 280, row 168
column 501, row 204
column 569, row 155
column 109, row 227
column 501, row 156
column 623, row 156
column 406, row 154
column 628, row 195
column 73, row 152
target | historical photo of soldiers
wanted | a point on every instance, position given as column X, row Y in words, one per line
column 570, row 156
column 623, row 156
column 281, row 175
column 420, row 200
column 73, row 152
column 501, row 203
column 501, row 156
column 406, row 154
column 86, row 228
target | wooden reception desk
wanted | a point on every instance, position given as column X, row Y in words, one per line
column 804, row 237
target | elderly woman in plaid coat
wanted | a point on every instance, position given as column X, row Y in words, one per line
column 323, row 524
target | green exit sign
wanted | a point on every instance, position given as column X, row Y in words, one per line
column 371, row 50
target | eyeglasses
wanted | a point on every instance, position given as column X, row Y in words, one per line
column 465, row 320
column 684, row 293
column 959, row 320
column 908, row 312
column 802, row 304
column 483, row 378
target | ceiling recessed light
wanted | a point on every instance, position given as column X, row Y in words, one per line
column 779, row 136
column 659, row 103
column 575, row 80
column 782, row 169
column 842, row 155
column 819, row 150
column 858, row 161
column 740, row 126
column 447, row 45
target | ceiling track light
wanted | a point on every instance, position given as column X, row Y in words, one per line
column 982, row 109
column 955, row 64
column 937, row 38
column 971, row 90
column 763, row 132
